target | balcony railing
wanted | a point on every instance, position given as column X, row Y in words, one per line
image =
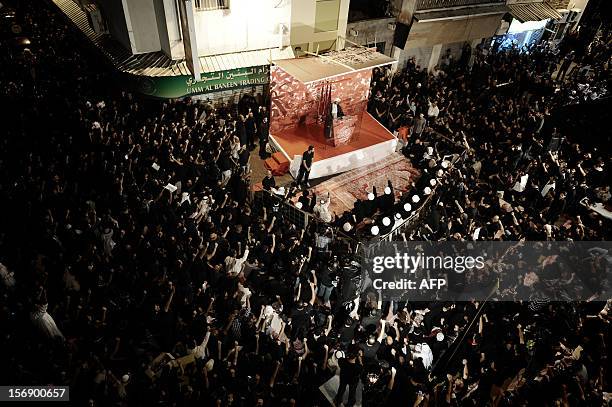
column 434, row 4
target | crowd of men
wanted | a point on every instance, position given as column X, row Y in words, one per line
column 519, row 176
column 136, row 269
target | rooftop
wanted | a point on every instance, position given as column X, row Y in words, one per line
column 318, row 67
column 158, row 63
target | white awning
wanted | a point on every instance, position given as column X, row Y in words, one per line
column 245, row 59
column 334, row 63
column 460, row 13
column 533, row 12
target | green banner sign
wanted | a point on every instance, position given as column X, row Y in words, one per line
column 185, row 85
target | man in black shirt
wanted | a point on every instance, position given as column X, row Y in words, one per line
column 243, row 159
column 268, row 182
column 251, row 130
column 350, row 370
column 306, row 165
column 263, row 130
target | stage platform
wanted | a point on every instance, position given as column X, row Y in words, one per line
column 371, row 143
column 346, row 188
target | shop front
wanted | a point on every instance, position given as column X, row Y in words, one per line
column 523, row 34
column 529, row 24
column 219, row 83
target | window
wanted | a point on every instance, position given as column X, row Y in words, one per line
column 205, row 5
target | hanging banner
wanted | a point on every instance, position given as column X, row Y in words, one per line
column 186, row 85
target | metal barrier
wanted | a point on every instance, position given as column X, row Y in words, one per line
column 281, row 205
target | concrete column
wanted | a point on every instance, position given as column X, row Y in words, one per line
column 435, row 56
column 130, row 30
column 474, row 44
column 396, row 53
column 189, row 38
column 407, row 11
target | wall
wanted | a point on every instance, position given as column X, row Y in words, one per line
column 370, row 30
column 448, row 31
column 247, row 25
column 144, row 32
column 303, row 13
column 162, row 27
column 168, row 24
column 421, row 56
column 294, row 103
column 456, row 49
column 115, row 19
column 581, row 4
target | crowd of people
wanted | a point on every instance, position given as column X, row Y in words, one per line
column 137, row 269
column 486, row 140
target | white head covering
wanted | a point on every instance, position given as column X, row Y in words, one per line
column 347, row 227
column 387, row 190
column 375, row 230
column 407, row 206
column 415, row 198
column 298, row 205
column 386, row 221
column 427, row 191
column 185, row 197
column 371, row 196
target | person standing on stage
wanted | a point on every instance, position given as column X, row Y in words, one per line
column 336, row 110
column 305, row 166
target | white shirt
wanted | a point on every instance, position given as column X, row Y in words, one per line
column 334, row 110
column 322, row 211
column 424, row 352
column 433, row 111
column 547, row 188
column 520, row 185
column 233, row 266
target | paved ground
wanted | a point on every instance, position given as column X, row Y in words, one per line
column 259, row 171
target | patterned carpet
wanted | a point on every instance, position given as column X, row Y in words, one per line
column 346, row 188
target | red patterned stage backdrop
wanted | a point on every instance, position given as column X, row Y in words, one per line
column 294, row 103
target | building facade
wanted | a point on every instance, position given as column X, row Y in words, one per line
column 436, row 32
column 175, row 48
